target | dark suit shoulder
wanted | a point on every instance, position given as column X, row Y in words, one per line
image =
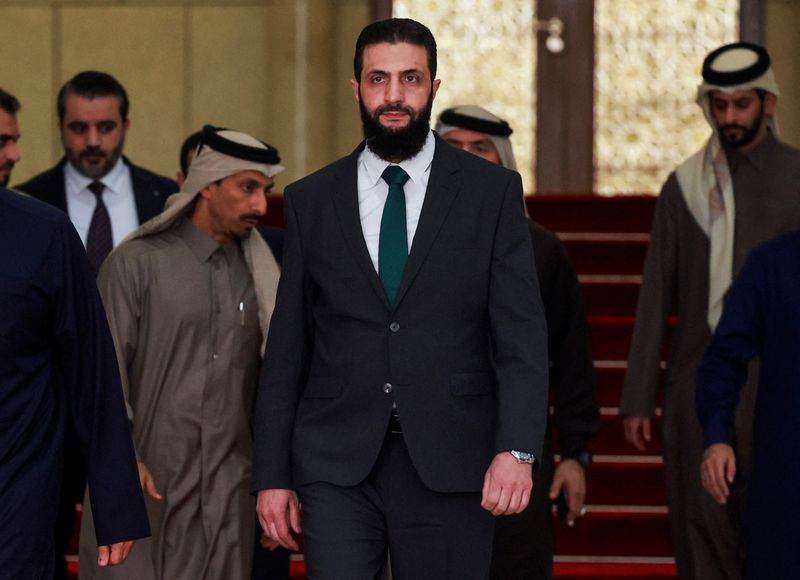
column 45, row 185
column 321, row 179
column 165, row 184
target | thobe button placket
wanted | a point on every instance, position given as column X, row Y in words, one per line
column 394, row 326
column 388, row 388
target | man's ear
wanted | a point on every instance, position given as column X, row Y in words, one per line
column 770, row 104
column 208, row 190
column 354, row 84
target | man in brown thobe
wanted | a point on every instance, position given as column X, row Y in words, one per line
column 189, row 296
column 740, row 189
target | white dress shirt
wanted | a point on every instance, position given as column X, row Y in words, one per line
column 373, row 191
column 117, row 195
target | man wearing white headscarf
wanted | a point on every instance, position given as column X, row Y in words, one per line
column 189, row 297
column 523, row 543
column 740, row 189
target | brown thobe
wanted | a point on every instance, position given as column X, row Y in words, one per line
column 184, row 317
column 766, row 189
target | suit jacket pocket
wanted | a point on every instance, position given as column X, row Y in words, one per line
column 470, row 384
column 322, row 388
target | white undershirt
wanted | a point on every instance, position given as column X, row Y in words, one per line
column 373, row 191
column 117, row 196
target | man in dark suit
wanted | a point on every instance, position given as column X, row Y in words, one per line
column 403, row 394
column 94, row 178
column 106, row 198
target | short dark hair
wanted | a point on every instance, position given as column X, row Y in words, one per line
column 9, row 103
column 91, row 84
column 393, row 31
column 191, row 142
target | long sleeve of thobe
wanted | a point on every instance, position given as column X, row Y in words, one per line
column 724, row 367
column 656, row 301
column 85, row 354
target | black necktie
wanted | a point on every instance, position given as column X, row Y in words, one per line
column 393, row 241
column 99, row 241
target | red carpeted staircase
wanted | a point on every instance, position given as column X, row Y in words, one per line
column 625, row 531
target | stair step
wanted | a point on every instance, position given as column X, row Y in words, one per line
column 609, row 376
column 606, row 255
column 604, row 531
column 610, row 295
column 610, row 440
column 621, row 480
column 615, row 568
column 592, row 213
column 610, row 336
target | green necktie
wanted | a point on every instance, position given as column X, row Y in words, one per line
column 393, row 243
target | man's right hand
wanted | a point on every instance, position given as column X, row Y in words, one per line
column 637, row 431
column 718, row 470
column 279, row 514
column 146, row 479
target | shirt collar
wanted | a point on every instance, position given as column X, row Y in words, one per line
column 416, row 167
column 112, row 180
column 199, row 243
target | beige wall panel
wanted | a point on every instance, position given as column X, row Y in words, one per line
column 351, row 17
column 142, row 48
column 783, row 43
column 230, row 80
column 279, row 103
column 27, row 35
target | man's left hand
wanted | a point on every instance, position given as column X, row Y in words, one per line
column 569, row 476
column 507, row 485
column 113, row 554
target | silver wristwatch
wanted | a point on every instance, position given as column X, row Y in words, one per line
column 523, row 457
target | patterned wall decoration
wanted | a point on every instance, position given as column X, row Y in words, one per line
column 648, row 59
column 486, row 56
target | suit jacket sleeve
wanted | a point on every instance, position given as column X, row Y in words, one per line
column 518, row 331
column 85, row 352
column 288, row 348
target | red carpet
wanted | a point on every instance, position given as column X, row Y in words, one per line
column 625, row 532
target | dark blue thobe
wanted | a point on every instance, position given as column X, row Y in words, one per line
column 57, row 364
column 762, row 318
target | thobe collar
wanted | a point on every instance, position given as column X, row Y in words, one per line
column 202, row 246
column 757, row 157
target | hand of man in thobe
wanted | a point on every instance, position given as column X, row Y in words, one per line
column 279, row 514
column 113, row 554
column 507, row 485
column 146, row 479
column 637, row 431
column 569, row 476
column 718, row 470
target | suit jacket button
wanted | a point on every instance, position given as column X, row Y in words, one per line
column 387, row 388
column 394, row 326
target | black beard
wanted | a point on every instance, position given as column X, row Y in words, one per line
column 748, row 134
column 396, row 145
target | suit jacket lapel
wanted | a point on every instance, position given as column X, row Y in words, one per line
column 443, row 187
column 345, row 202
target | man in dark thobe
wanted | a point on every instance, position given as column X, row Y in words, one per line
column 761, row 319
column 57, row 366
